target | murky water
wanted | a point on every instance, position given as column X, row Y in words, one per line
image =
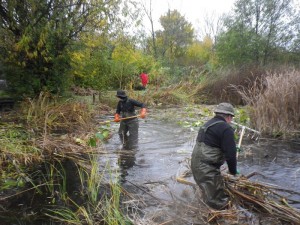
column 278, row 162
column 160, row 150
column 163, row 149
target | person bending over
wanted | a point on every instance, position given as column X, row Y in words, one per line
column 215, row 145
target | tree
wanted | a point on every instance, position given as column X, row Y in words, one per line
column 148, row 13
column 235, row 47
column 36, row 35
column 176, row 36
column 109, row 58
column 257, row 30
column 91, row 61
column 211, row 26
column 200, row 53
column 128, row 62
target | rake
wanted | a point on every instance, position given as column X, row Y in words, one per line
column 255, row 133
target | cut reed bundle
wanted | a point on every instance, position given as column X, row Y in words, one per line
column 253, row 196
column 262, row 197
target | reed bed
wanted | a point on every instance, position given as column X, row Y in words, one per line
column 218, row 87
column 45, row 114
column 275, row 103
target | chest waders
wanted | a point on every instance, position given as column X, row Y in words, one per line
column 205, row 164
column 128, row 130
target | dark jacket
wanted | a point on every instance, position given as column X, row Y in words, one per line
column 220, row 135
column 127, row 107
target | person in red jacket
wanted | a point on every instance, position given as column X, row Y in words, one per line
column 144, row 79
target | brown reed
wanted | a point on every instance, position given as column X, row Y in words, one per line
column 275, row 103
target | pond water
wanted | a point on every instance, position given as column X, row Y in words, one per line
column 162, row 154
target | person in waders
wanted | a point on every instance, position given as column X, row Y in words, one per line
column 128, row 130
column 215, row 144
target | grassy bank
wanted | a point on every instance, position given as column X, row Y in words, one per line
column 49, row 166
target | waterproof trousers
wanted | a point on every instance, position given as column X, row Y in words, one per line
column 205, row 165
column 128, row 133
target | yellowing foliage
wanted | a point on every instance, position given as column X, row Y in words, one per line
column 200, row 52
column 124, row 54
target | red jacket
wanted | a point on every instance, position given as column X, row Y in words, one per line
column 144, row 78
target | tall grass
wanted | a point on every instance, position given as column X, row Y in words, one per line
column 275, row 103
column 112, row 214
column 101, row 202
column 46, row 114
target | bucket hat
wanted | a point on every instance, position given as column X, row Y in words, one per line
column 225, row 108
column 121, row 94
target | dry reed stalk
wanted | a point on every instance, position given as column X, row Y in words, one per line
column 255, row 196
column 262, row 197
column 45, row 114
column 275, row 103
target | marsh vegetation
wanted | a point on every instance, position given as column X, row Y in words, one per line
column 61, row 63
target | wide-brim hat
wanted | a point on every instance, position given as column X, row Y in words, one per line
column 121, row 94
column 225, row 108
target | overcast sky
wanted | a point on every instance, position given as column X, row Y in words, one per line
column 193, row 10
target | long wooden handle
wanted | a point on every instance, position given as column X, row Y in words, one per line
column 184, row 181
column 241, row 136
column 240, row 140
column 130, row 117
column 126, row 118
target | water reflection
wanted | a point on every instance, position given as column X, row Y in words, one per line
column 127, row 157
column 278, row 162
